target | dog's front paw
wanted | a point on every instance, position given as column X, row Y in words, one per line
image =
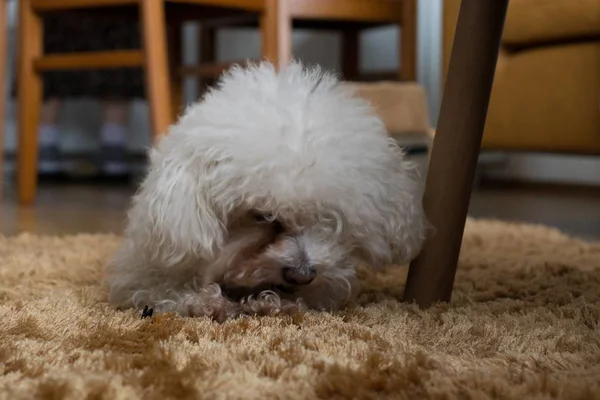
column 208, row 302
column 270, row 303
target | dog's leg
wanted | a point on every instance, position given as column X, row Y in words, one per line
column 133, row 284
column 162, row 295
column 210, row 301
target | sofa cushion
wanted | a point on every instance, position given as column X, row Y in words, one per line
column 530, row 22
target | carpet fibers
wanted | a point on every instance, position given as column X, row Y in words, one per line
column 523, row 323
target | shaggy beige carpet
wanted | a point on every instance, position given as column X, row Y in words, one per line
column 524, row 323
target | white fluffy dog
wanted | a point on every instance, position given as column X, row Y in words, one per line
column 264, row 197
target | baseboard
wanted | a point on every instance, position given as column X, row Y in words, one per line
column 79, row 167
column 539, row 187
column 553, row 169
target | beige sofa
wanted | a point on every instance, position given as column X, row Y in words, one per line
column 546, row 94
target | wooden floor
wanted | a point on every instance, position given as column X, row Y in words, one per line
column 575, row 211
column 68, row 209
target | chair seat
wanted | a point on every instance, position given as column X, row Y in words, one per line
column 531, row 22
column 402, row 106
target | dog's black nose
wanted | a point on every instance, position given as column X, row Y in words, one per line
column 299, row 275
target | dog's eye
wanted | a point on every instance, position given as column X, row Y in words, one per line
column 263, row 217
column 269, row 219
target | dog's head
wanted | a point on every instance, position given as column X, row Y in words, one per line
column 281, row 181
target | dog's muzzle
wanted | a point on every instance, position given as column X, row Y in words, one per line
column 299, row 276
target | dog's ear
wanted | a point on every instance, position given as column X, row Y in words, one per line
column 392, row 225
column 172, row 213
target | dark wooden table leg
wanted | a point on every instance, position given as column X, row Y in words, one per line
column 456, row 148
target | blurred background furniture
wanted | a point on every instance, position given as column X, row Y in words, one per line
column 349, row 17
column 161, row 22
column 546, row 94
column 403, row 108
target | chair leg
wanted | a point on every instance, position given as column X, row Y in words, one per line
column 408, row 41
column 175, row 51
column 29, row 101
column 350, row 54
column 456, row 148
column 276, row 32
column 207, row 53
column 158, row 87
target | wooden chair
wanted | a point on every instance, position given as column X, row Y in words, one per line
column 163, row 85
column 350, row 17
column 161, row 59
column 456, row 148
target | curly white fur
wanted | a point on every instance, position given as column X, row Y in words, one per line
column 295, row 146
